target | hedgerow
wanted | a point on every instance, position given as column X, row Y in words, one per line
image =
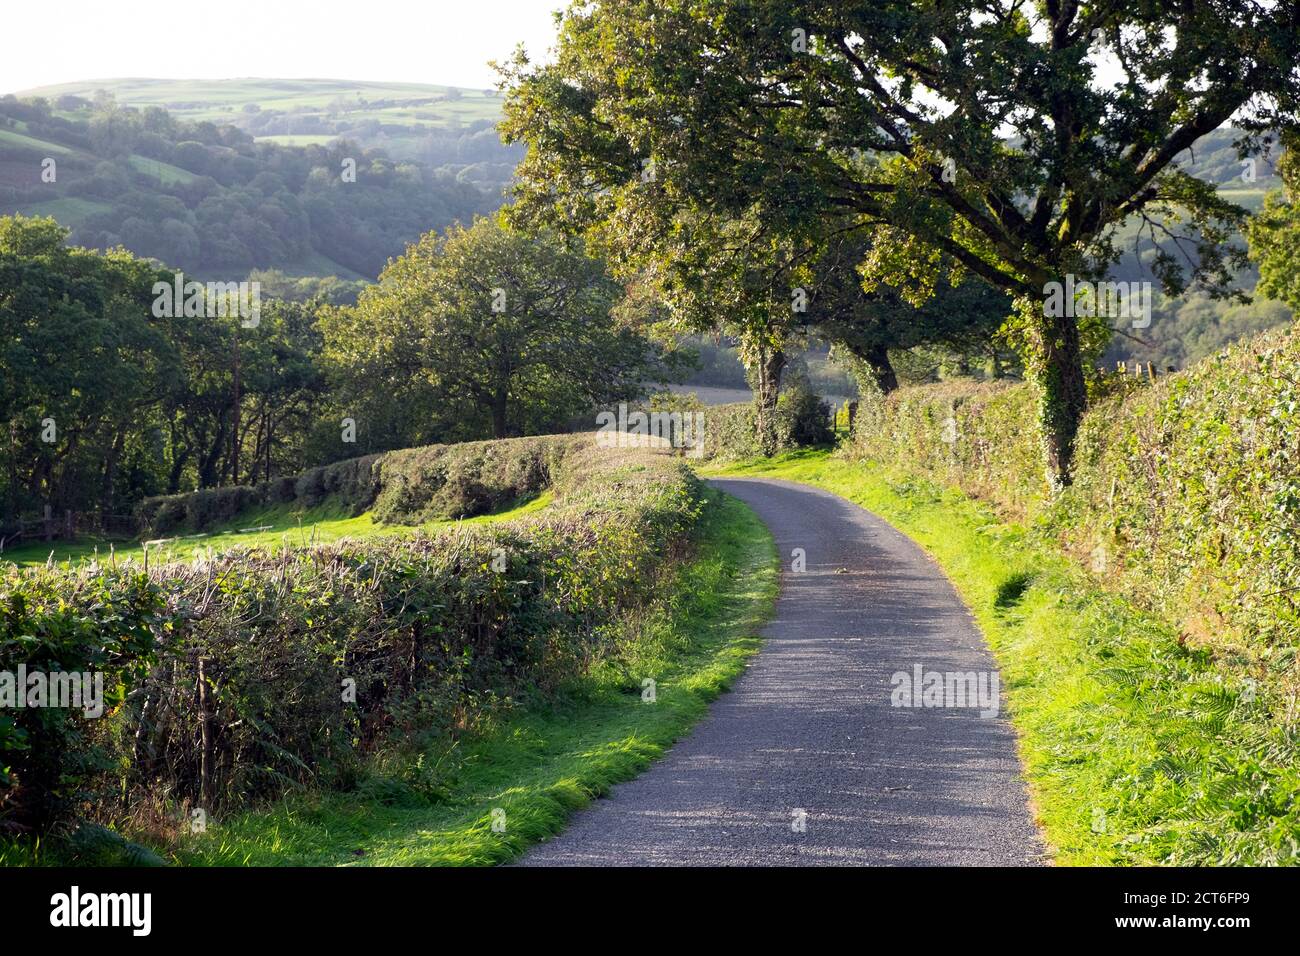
column 402, row 487
column 802, row 419
column 1186, row 492
column 255, row 672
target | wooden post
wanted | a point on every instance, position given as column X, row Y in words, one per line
column 853, row 414
column 1151, row 371
column 205, row 736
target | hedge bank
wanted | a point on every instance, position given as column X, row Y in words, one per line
column 254, row 673
column 1186, row 492
column 410, row 486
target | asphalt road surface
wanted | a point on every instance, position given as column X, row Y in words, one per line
column 811, row 759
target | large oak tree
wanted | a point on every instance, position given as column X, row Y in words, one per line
column 1008, row 139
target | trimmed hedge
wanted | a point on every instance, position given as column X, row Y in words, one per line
column 979, row 436
column 460, row 481
column 240, row 690
column 1186, row 493
column 404, row 487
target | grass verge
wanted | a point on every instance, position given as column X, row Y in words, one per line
column 535, row 764
column 1138, row 749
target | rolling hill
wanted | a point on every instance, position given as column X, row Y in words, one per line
column 409, row 121
column 216, row 185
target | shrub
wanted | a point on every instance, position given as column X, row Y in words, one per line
column 97, row 621
column 802, row 419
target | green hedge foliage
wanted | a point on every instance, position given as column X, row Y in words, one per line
column 411, row 486
column 1186, row 491
column 803, row 419
column 233, row 676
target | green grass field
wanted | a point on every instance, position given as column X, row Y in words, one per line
column 10, row 139
column 276, row 528
column 166, row 173
column 70, row 211
column 1137, row 750
column 293, row 139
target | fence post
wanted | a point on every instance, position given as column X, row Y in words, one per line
column 853, row 415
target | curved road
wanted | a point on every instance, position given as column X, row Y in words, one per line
column 806, row 761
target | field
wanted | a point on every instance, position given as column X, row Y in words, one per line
column 395, row 116
column 70, row 210
column 270, row 529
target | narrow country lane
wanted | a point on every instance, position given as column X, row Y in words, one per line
column 806, row 761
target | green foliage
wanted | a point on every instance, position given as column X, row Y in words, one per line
column 1184, row 497
column 428, row 628
column 791, row 127
column 1193, row 327
column 976, row 435
column 432, row 804
column 411, row 486
column 100, row 622
column 1275, row 233
column 482, row 331
column 461, row 481
column 206, row 197
column 106, row 403
column 802, row 419
column 1189, row 489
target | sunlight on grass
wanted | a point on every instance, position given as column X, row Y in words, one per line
column 1137, row 750
column 541, row 762
column 270, row 528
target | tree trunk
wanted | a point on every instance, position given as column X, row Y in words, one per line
column 882, row 370
column 107, row 498
column 771, row 363
column 1063, row 394
column 499, row 406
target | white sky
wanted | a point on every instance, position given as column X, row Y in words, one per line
column 411, row 41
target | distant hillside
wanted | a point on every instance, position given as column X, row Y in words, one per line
column 447, row 127
column 1192, row 326
column 215, row 201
